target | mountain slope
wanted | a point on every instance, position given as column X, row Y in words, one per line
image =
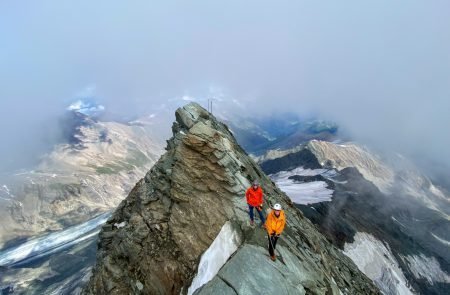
column 78, row 180
column 383, row 213
column 182, row 222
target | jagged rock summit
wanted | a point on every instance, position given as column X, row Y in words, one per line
column 184, row 228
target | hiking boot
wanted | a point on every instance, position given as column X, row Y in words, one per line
column 252, row 223
column 273, row 257
column 263, row 225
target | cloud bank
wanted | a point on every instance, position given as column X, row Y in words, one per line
column 381, row 69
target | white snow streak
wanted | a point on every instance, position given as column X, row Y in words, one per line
column 437, row 191
column 445, row 242
column 225, row 244
column 6, row 189
column 120, row 225
column 8, row 196
column 395, row 219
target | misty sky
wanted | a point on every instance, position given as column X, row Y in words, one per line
column 381, row 69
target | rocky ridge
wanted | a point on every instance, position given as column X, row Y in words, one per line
column 164, row 238
column 174, row 214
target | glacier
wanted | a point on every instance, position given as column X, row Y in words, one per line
column 53, row 242
column 308, row 192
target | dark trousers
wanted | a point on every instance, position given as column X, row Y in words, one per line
column 261, row 215
column 272, row 244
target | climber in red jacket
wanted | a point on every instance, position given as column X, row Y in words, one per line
column 254, row 196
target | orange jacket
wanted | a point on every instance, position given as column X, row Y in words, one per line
column 254, row 197
column 274, row 224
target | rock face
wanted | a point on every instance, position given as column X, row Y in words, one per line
column 182, row 221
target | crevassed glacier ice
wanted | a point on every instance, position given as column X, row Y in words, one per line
column 307, row 192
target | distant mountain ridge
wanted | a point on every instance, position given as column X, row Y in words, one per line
column 383, row 213
column 89, row 173
column 258, row 135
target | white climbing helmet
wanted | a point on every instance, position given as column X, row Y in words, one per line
column 277, row 207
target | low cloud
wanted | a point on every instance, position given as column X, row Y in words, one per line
column 380, row 69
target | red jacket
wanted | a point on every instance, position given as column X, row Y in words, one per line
column 254, row 197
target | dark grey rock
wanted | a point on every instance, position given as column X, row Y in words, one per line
column 174, row 214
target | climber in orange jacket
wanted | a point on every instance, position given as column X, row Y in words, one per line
column 254, row 196
column 276, row 220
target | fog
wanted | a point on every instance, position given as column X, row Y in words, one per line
column 380, row 69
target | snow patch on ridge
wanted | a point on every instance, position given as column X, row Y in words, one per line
column 224, row 245
column 376, row 260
